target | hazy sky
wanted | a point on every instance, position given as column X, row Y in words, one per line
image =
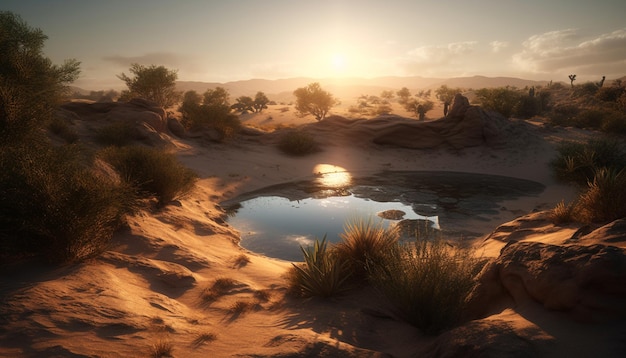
column 225, row 40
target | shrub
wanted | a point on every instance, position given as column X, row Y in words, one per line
column 589, row 118
column 609, row 94
column 364, row 244
column 614, row 122
column 322, row 274
column 563, row 213
column 61, row 129
column 119, row 134
column 563, row 115
column 578, row 162
column 428, row 282
column 153, row 171
column 502, row 99
column 298, row 143
column 604, row 199
column 55, row 208
column 586, row 89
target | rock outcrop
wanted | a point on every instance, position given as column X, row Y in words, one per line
column 465, row 126
column 585, row 283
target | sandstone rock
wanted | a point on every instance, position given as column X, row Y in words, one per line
column 588, row 283
column 176, row 127
column 465, row 126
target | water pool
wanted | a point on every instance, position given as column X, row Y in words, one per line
column 276, row 221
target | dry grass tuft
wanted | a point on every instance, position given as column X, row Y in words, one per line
column 162, row 348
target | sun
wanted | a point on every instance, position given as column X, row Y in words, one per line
column 339, row 62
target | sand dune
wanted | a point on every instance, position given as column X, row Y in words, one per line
column 157, row 283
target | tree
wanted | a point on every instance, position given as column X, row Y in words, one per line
column 260, row 102
column 572, row 78
column 446, row 94
column 312, row 99
column 211, row 110
column 419, row 107
column 30, row 85
column 244, row 103
column 154, row 83
column 404, row 95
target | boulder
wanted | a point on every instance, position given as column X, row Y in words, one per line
column 586, row 283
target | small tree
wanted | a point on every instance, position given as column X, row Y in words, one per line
column 30, row 85
column 211, row 110
column 572, row 78
column 154, row 83
column 243, row 103
column 260, row 102
column 403, row 95
column 312, row 99
column 419, row 108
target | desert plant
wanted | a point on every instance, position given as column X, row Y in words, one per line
column 54, row 207
column 578, row 162
column 153, row 171
column 298, row 143
column 312, row 99
column 322, row 274
column 154, row 83
column 427, row 282
column 212, row 110
column 161, row 349
column 30, row 85
column 563, row 213
column 604, row 199
column 62, row 129
column 502, row 99
column 363, row 244
column 118, row 133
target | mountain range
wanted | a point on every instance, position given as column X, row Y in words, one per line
column 351, row 88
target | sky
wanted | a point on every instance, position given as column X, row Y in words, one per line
column 229, row 40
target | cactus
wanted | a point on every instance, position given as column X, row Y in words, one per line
column 572, row 78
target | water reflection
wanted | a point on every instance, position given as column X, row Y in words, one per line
column 332, row 176
column 277, row 227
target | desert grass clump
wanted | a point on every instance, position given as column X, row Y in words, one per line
column 364, row 244
column 604, row 199
column 204, row 338
column 298, row 143
column 427, row 282
column 563, row 213
column 153, row 171
column 322, row 274
column 219, row 288
column 578, row 162
column 162, row 349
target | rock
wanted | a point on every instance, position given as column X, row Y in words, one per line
column 465, row 126
column 460, row 105
column 613, row 233
column 587, row 283
column 176, row 127
column 392, row 214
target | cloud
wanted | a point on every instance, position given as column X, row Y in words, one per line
column 497, row 46
column 430, row 59
column 565, row 50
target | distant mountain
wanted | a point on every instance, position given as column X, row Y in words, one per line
column 351, row 88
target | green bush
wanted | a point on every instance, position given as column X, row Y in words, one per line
column 502, row 99
column 298, row 143
column 578, row 162
column 53, row 207
column 428, row 282
column 153, row 171
column 364, row 244
column 322, row 274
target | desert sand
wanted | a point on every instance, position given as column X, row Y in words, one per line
column 154, row 285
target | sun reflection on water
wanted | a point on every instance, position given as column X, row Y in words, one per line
column 332, row 176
